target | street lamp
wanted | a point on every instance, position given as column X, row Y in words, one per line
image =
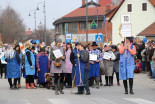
column 44, row 11
column 35, row 21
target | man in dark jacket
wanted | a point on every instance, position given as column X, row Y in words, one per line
column 142, row 46
column 73, row 59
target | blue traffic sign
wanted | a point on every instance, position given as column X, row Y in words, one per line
column 68, row 37
column 99, row 38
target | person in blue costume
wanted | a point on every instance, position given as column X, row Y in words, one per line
column 127, row 63
column 94, row 65
column 13, row 66
column 82, row 69
column 73, row 59
column 36, row 69
column 43, row 65
column 29, row 66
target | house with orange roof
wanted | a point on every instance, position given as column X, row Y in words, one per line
column 139, row 14
column 75, row 21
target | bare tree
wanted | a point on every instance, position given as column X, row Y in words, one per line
column 11, row 26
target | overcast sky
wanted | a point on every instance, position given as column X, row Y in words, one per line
column 55, row 9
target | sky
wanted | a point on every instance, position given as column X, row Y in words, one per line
column 54, row 9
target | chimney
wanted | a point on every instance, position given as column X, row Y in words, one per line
column 83, row 2
column 108, row 7
column 104, row 2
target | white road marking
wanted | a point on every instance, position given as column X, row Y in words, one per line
column 59, row 101
column 19, row 101
column 139, row 101
column 101, row 101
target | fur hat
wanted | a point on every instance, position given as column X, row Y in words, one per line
column 58, row 40
column 27, row 45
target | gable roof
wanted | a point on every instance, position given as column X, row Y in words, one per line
column 149, row 31
column 90, row 3
column 152, row 2
column 92, row 11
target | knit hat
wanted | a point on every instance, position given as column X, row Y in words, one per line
column 58, row 40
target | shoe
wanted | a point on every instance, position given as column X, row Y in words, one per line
column 32, row 86
column 106, row 85
column 78, row 93
column 126, row 92
column 88, row 93
column 68, row 86
column 97, row 87
column 28, row 86
column 11, row 87
column 131, row 92
column 15, row 88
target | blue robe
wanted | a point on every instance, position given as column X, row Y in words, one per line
column 126, row 66
column 94, row 69
column 28, row 70
column 82, row 68
column 13, row 68
column 43, row 65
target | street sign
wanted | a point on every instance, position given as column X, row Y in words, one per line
column 99, row 38
column 68, row 37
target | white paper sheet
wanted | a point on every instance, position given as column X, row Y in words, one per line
column 107, row 55
column 92, row 57
column 57, row 53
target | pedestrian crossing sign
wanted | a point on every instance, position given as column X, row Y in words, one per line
column 99, row 38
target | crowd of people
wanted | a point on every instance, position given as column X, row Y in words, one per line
column 82, row 65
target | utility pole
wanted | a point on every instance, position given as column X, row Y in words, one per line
column 97, row 19
column 87, row 21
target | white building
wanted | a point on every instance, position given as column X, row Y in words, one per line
column 138, row 13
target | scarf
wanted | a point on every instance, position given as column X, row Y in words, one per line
column 10, row 54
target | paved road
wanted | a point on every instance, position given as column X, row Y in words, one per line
column 143, row 86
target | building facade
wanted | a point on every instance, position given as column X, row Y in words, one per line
column 75, row 22
column 140, row 13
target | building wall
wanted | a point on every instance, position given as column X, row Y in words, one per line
column 139, row 19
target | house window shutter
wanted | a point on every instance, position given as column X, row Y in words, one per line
column 129, row 7
column 144, row 7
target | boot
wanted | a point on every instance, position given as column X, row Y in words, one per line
column 118, row 83
column 125, row 86
column 110, row 80
column 61, row 88
column 131, row 85
column 106, row 80
column 97, row 83
column 79, row 91
column 32, row 86
column 56, row 89
column 27, row 86
column 88, row 93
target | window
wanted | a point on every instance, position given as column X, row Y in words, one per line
column 73, row 27
column 82, row 25
column 144, row 7
column 129, row 7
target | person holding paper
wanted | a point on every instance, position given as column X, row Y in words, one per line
column 58, row 71
column 127, row 64
column 108, row 57
column 94, row 65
